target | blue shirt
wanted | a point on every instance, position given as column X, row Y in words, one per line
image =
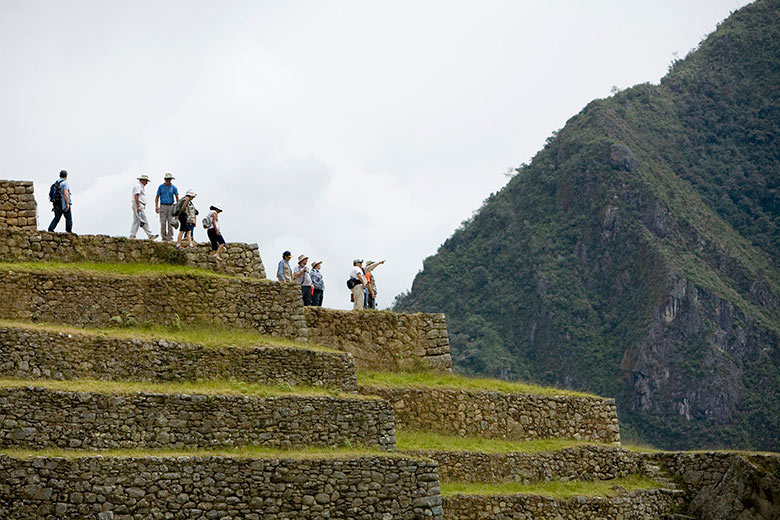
column 166, row 193
column 64, row 187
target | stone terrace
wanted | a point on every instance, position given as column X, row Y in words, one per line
column 238, row 259
column 35, row 353
column 500, row 415
column 36, row 417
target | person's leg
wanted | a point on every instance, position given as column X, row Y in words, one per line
column 68, row 221
column 136, row 224
column 306, row 295
column 357, row 294
column 56, row 219
column 165, row 222
column 144, row 223
column 316, row 299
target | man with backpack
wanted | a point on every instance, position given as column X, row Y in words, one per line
column 357, row 283
column 163, row 204
column 60, row 198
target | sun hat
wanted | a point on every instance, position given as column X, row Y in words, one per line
column 143, row 177
column 169, row 176
column 190, row 193
column 217, row 206
column 315, row 264
column 357, row 261
column 301, row 258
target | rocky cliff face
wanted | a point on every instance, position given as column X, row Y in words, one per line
column 637, row 255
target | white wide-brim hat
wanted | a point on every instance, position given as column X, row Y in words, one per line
column 143, row 177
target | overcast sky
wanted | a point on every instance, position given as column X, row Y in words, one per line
column 338, row 129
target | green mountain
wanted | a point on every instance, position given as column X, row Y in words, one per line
column 638, row 254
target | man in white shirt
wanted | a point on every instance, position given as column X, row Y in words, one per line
column 358, row 278
column 139, row 208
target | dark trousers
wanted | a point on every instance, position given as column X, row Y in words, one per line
column 369, row 302
column 58, row 213
column 316, row 298
column 306, row 293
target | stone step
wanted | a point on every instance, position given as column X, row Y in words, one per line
column 102, row 298
column 28, row 352
column 584, row 462
column 34, row 416
column 645, row 504
column 501, row 415
column 299, row 486
column 237, row 258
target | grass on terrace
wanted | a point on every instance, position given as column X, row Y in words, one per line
column 553, row 488
column 206, row 335
column 457, row 382
column 206, row 387
column 312, row 452
column 417, row 440
column 127, row 269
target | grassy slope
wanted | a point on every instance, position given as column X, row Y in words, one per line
column 239, row 452
column 586, row 273
column 121, row 269
column 205, row 387
column 553, row 488
column 457, row 382
column 422, row 441
column 207, row 335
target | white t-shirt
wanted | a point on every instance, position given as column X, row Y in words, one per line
column 211, row 221
column 139, row 190
column 355, row 272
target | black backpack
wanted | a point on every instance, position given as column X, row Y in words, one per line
column 55, row 193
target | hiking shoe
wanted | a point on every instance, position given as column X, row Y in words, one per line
column 153, row 237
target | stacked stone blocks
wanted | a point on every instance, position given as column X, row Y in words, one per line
column 362, row 488
column 31, row 353
column 17, row 206
column 499, row 415
column 36, row 418
column 24, row 245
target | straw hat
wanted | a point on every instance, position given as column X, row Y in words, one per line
column 301, row 258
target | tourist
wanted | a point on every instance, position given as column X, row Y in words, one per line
column 61, row 200
column 139, row 208
column 370, row 292
column 163, row 202
column 283, row 270
column 318, row 283
column 302, row 276
column 214, row 232
column 357, row 284
column 186, row 214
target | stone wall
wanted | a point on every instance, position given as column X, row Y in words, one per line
column 17, row 206
column 30, row 246
column 649, row 504
column 586, row 462
column 725, row 486
column 498, row 415
column 363, row 488
column 27, row 353
column 382, row 340
column 93, row 299
column 37, row 418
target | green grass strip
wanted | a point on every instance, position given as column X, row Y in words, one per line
column 205, row 387
column 457, row 382
column 206, row 335
column 111, row 268
column 427, row 441
column 553, row 488
column 239, row 452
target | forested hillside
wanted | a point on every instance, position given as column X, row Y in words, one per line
column 638, row 255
